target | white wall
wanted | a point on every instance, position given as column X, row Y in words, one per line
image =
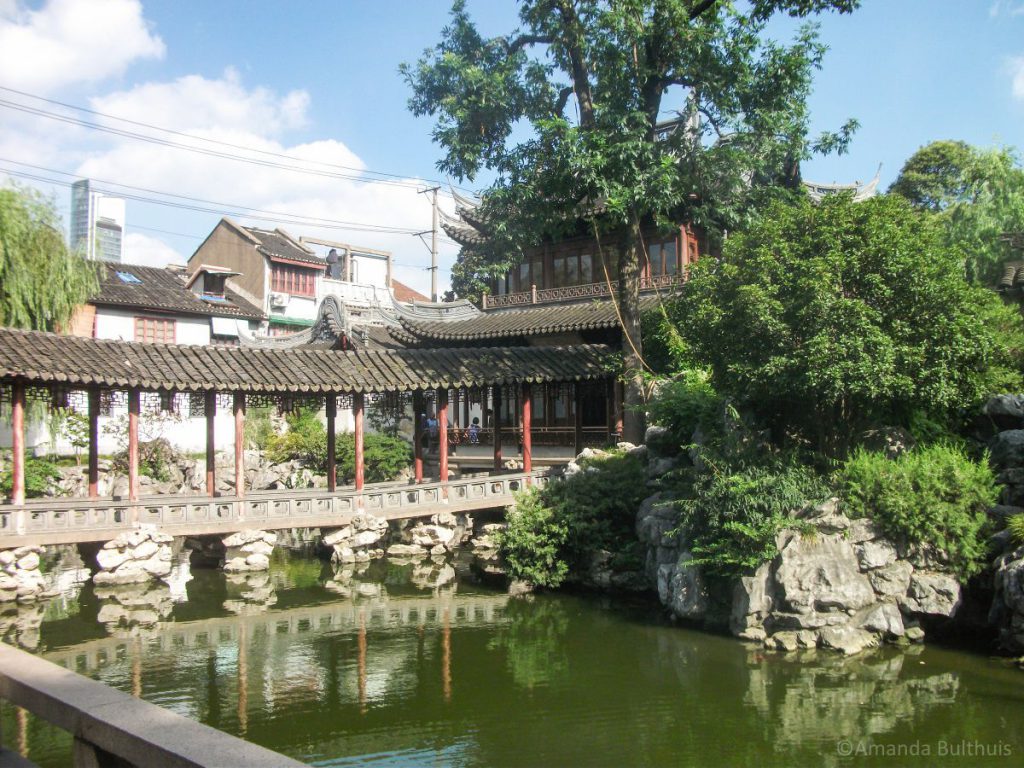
column 120, row 324
column 370, row 269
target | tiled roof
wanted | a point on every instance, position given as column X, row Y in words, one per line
column 404, row 293
column 159, row 289
column 47, row 358
column 278, row 244
column 529, row 321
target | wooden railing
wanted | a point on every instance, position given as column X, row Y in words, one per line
column 110, row 727
column 80, row 519
column 573, row 292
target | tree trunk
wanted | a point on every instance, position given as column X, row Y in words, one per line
column 630, row 259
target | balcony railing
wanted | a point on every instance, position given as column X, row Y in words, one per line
column 573, row 292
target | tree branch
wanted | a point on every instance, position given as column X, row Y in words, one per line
column 524, row 40
column 563, row 99
column 699, row 9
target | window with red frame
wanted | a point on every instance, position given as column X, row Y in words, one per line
column 154, row 329
column 294, row 280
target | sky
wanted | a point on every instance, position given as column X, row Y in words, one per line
column 314, row 85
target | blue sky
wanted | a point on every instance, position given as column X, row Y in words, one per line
column 319, row 80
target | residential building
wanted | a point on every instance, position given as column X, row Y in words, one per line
column 97, row 223
column 288, row 277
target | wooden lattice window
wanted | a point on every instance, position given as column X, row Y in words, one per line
column 159, row 330
column 293, row 280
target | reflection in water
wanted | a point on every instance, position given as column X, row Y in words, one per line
column 406, row 664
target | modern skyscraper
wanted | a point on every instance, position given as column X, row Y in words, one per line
column 97, row 223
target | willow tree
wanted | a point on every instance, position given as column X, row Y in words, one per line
column 566, row 115
column 41, row 281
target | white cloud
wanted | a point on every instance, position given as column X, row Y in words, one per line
column 148, row 251
column 194, row 103
column 1015, row 66
column 71, row 41
column 1009, row 7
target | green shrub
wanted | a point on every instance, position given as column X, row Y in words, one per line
column 533, row 544
column 39, row 474
column 683, row 404
column 1016, row 526
column 932, row 495
column 384, row 457
column 259, row 429
column 736, row 506
column 305, row 440
column 556, row 529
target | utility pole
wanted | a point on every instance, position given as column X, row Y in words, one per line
column 433, row 245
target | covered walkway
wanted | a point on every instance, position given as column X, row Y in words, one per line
column 87, row 374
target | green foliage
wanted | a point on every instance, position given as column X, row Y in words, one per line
column 39, row 474
column 935, row 495
column 73, row 427
column 259, row 428
column 665, row 350
column 684, row 403
column 41, row 281
column 156, row 458
column 978, row 196
column 737, row 505
column 305, row 440
column 555, row 530
column 1016, row 527
column 384, row 457
column 825, row 318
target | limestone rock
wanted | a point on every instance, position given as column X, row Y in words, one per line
column 683, row 588
column 1007, row 449
column 784, row 641
column 936, row 594
column 1006, row 411
column 891, row 580
column 882, row 618
column 820, row 574
column 406, row 550
column 875, row 554
column 848, row 640
column 826, row 517
column 751, row 603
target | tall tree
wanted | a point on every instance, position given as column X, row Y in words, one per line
column 978, row 196
column 567, row 114
column 41, row 281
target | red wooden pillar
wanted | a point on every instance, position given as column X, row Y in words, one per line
column 18, row 442
column 357, row 418
column 419, row 413
column 133, row 444
column 210, row 406
column 577, row 405
column 238, row 406
column 526, row 399
column 442, row 432
column 496, row 423
column 94, row 443
column 332, row 459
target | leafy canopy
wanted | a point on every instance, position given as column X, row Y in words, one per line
column 41, row 281
column 566, row 112
column 825, row 318
column 978, row 197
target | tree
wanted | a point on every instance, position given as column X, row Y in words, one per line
column 978, row 196
column 825, row 319
column 566, row 113
column 41, row 281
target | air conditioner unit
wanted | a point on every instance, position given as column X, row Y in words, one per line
column 279, row 300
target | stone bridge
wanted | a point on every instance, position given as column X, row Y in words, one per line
column 82, row 520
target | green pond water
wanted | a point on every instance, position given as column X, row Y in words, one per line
column 423, row 665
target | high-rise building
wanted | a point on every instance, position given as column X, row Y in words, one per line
column 97, row 223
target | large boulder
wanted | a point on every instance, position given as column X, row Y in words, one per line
column 1008, row 603
column 820, row 574
column 681, row 588
column 1006, row 411
column 1007, row 449
column 140, row 555
column 932, row 593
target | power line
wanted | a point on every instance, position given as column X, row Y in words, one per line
column 213, row 153
column 236, row 210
